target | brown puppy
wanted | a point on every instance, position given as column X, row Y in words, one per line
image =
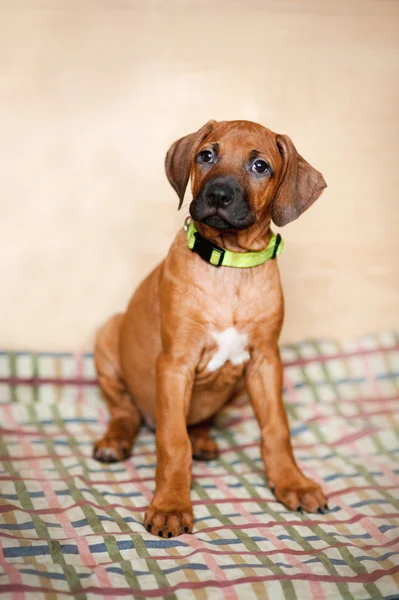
column 194, row 333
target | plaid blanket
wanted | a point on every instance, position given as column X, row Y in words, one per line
column 70, row 526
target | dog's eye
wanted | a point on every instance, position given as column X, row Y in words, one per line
column 260, row 166
column 205, row 156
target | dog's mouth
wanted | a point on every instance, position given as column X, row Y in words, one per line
column 217, row 222
column 219, row 219
column 236, row 215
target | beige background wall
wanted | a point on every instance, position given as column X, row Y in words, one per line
column 93, row 93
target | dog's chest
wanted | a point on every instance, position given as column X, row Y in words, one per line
column 231, row 346
column 236, row 306
column 225, row 354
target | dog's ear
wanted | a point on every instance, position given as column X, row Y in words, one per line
column 179, row 159
column 300, row 184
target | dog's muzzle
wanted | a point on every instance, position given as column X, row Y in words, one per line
column 221, row 203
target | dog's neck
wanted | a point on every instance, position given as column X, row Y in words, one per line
column 252, row 239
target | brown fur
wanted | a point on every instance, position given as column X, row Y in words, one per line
column 152, row 360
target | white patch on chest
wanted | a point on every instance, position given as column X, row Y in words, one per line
column 232, row 347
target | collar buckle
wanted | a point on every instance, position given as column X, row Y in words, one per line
column 276, row 245
column 209, row 252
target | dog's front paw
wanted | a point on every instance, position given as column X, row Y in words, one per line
column 301, row 495
column 168, row 523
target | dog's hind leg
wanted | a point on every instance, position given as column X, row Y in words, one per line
column 125, row 418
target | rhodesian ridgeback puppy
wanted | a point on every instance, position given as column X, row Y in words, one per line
column 206, row 321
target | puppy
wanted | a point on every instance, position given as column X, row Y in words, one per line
column 206, row 322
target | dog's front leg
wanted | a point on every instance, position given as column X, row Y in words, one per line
column 170, row 512
column 264, row 382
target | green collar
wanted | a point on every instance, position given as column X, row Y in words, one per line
column 219, row 257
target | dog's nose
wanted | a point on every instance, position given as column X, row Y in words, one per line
column 219, row 195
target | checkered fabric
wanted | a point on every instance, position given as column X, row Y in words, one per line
column 70, row 526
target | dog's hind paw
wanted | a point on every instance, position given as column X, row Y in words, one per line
column 203, row 446
column 205, row 449
column 109, row 450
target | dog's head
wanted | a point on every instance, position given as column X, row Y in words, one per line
column 242, row 174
